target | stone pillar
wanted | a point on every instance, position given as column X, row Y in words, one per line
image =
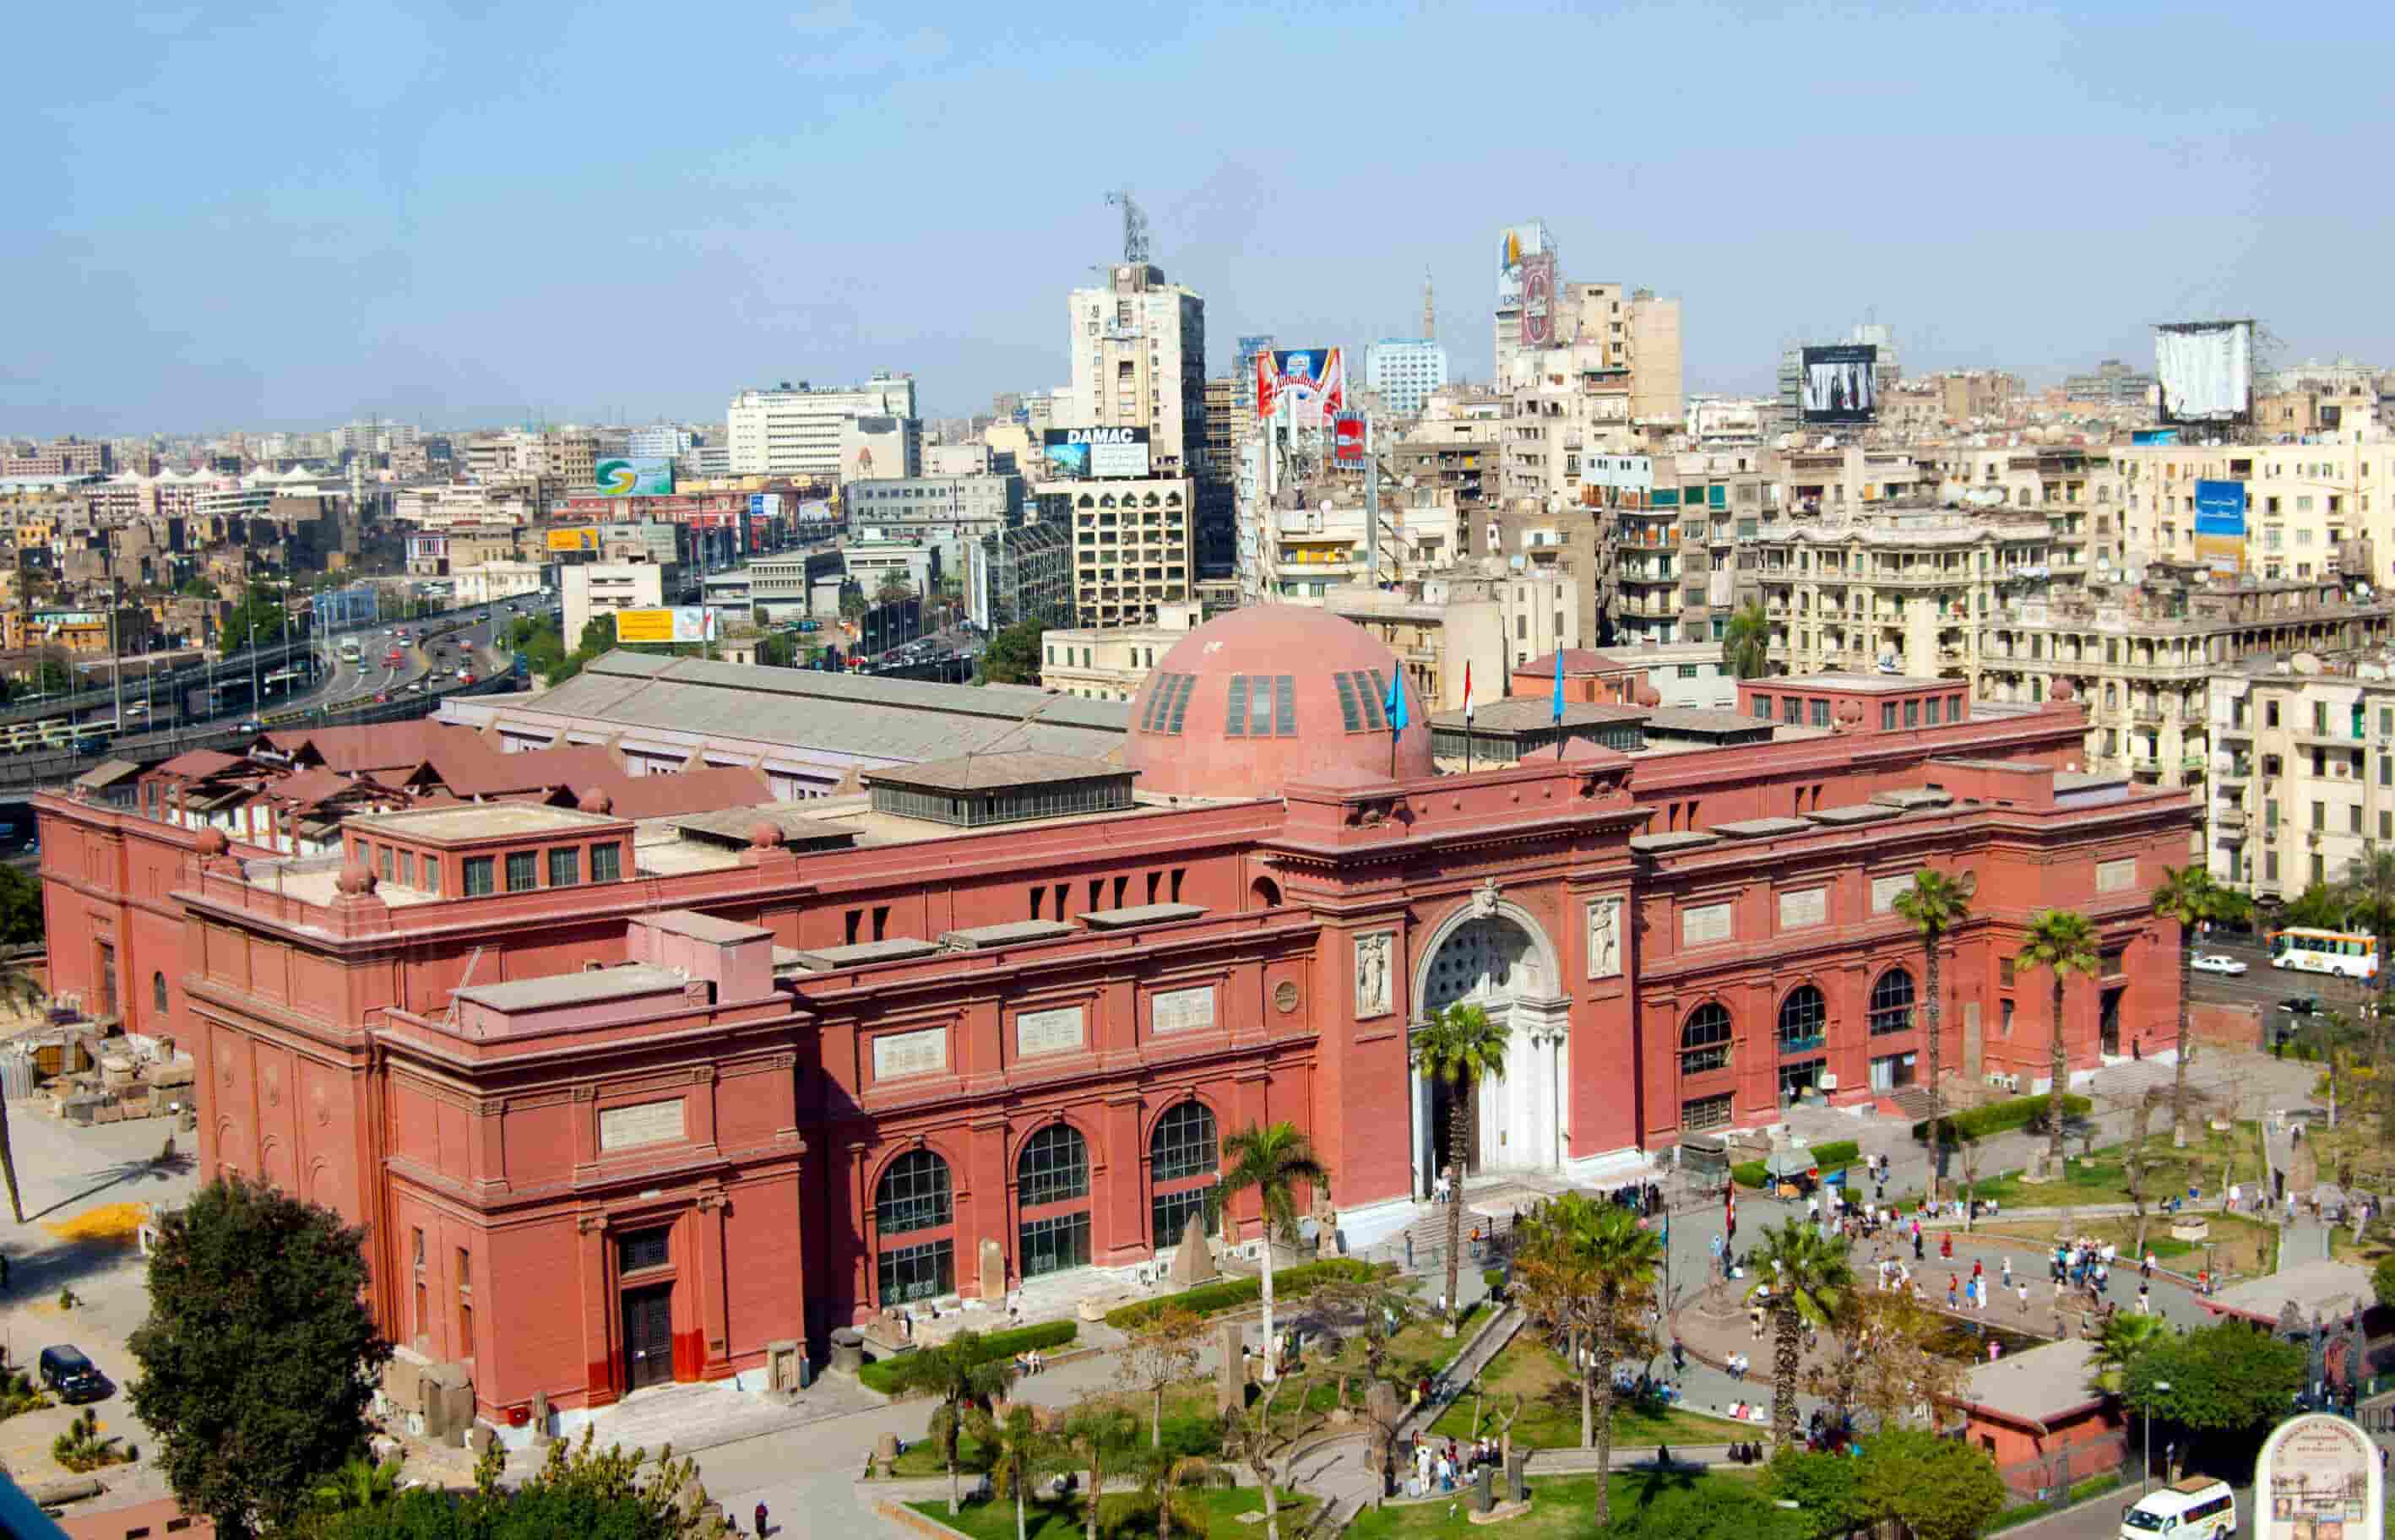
column 1230, row 1371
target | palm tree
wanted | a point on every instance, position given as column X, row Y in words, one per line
column 2125, row 1336
column 957, row 1372
column 1019, row 1452
column 1934, row 905
column 2188, row 896
column 1100, row 1439
column 2368, row 890
column 1277, row 1161
column 1461, row 1048
column 1801, row 1278
column 2064, row 941
column 360, row 1484
column 1166, row 1479
column 1591, row 1261
column 1746, row 642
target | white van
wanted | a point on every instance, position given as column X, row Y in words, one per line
column 2195, row 1507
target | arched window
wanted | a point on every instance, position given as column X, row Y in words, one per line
column 158, row 993
column 916, row 1195
column 1172, row 499
column 1052, row 1178
column 1150, row 501
column 1891, row 1003
column 1087, row 502
column 1704, row 1040
column 1183, row 1155
column 1804, row 1020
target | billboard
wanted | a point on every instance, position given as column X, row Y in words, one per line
column 1347, row 439
column 1839, row 383
column 1516, row 243
column 681, row 622
column 1081, row 453
column 2205, row 369
column 2318, row 1478
column 573, row 540
column 633, row 475
column 764, row 505
column 1539, row 301
column 1313, row 379
column 2220, row 527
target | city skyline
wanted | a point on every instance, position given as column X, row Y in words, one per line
column 269, row 221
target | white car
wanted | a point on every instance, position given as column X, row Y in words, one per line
column 2214, row 962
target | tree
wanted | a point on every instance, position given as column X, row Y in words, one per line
column 1378, row 1303
column 258, row 619
column 196, row 586
column 1166, row 1479
column 54, row 677
column 2064, row 942
column 1683, row 1509
column 1746, row 642
column 1275, row 1163
column 1019, row 1451
column 2224, row 1379
column 1460, row 1049
column 1014, row 655
column 598, row 634
column 852, row 604
column 1826, row 1488
column 775, row 650
column 1883, row 1359
column 2382, row 1281
column 894, row 589
column 2318, row 906
column 1802, row 1279
column 956, row 1372
column 2187, row 897
column 1098, row 1439
column 361, row 1482
column 1589, row 1264
column 1939, row 1489
column 1934, row 905
column 20, row 907
column 1248, row 1439
column 2124, row 1339
column 1161, row 1349
column 2137, row 1163
column 2368, row 890
column 259, row 1357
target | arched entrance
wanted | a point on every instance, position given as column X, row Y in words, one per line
column 1493, row 955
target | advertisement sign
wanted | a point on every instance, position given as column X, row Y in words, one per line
column 1082, row 453
column 573, row 540
column 1314, row 380
column 679, row 623
column 2205, row 369
column 1348, row 441
column 1516, row 243
column 1539, row 301
column 1839, row 383
column 2318, row 1478
column 2220, row 526
column 764, row 505
column 2165, row 437
column 634, row 476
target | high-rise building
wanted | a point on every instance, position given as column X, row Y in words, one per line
column 1405, row 371
column 1139, row 361
column 1243, row 369
column 660, row 441
column 795, row 431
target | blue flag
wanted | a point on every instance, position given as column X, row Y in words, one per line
column 1395, row 705
column 1559, row 687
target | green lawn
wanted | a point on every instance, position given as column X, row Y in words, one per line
column 1190, row 1425
column 2248, row 1247
column 1119, row 1513
column 2101, row 1179
column 1550, row 1419
column 1561, row 1508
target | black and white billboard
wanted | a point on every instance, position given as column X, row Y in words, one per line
column 2205, row 369
column 1839, row 385
column 1083, row 454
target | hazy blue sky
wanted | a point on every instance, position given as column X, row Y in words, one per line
column 226, row 215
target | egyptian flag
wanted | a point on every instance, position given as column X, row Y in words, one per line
column 1468, row 690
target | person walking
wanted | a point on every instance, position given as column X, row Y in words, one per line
column 2023, row 1287
column 761, row 1522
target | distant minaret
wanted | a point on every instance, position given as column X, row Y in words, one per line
column 1430, row 325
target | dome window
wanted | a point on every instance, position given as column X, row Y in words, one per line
column 1261, row 705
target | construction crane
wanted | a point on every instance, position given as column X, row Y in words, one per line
column 1135, row 226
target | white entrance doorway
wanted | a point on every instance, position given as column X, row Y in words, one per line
column 1500, row 961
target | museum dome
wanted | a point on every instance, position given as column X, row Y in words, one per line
column 1259, row 698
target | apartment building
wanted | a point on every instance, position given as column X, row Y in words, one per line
column 594, row 588
column 1405, row 371
column 2312, row 509
column 1326, row 542
column 795, row 431
column 954, row 506
column 1898, row 589
column 1493, row 620
column 1139, row 361
column 1133, row 545
column 1674, row 558
column 2304, row 777
column 1019, row 573
column 59, row 458
column 2139, row 658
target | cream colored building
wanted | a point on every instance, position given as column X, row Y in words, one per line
column 1134, row 547
column 796, row 431
column 1139, row 361
column 2304, row 776
column 1110, row 662
column 2309, row 507
column 488, row 581
column 593, row 588
column 1495, row 620
column 1307, row 552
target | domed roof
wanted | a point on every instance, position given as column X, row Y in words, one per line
column 1259, row 698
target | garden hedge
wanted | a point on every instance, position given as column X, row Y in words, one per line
column 1837, row 1155
column 882, row 1373
column 1998, row 1117
column 1230, row 1294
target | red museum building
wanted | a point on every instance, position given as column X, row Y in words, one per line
column 624, row 1100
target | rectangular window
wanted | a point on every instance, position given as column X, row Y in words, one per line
column 1821, row 712
column 1929, row 712
column 1055, row 1245
column 1792, row 710
column 2004, row 1027
column 565, row 867
column 407, row 868
column 481, row 875
column 524, row 871
column 431, row 876
column 1708, row 1112
column 1912, row 713
column 382, row 853
column 909, row 1273
column 2004, row 968
column 2353, row 821
column 607, row 862
column 1888, row 717
column 1169, row 1215
column 642, row 1250
column 2319, row 817
column 1763, row 707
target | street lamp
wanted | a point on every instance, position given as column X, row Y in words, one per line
column 2147, row 1485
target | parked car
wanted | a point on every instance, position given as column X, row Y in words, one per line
column 72, row 1376
column 2216, row 962
column 2073, row 1125
column 2300, row 1005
